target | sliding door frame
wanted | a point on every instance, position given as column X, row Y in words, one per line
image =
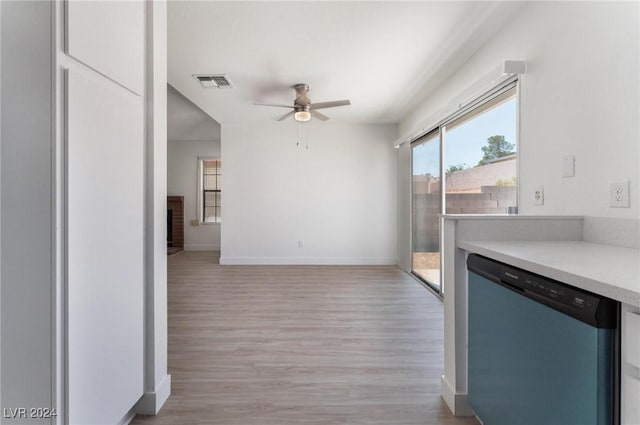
column 437, row 131
column 512, row 83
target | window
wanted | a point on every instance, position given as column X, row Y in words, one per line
column 480, row 165
column 211, row 193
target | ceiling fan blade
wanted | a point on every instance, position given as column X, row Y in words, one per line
column 285, row 116
column 332, row 104
column 321, row 117
column 273, row 104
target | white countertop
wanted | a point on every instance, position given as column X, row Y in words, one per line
column 509, row 216
column 607, row 270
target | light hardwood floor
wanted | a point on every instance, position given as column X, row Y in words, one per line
column 318, row 345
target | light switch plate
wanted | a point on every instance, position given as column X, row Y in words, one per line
column 568, row 166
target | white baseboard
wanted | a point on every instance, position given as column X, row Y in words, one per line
column 151, row 402
column 457, row 402
column 305, row 261
column 201, row 247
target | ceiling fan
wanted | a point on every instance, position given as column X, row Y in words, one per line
column 302, row 107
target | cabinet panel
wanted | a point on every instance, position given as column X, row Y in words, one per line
column 632, row 338
column 630, row 381
column 105, row 249
column 631, row 391
column 108, row 36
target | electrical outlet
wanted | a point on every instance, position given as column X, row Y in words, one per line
column 538, row 195
column 619, row 194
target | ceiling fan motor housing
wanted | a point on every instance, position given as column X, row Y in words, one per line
column 302, row 101
column 301, row 88
column 303, row 110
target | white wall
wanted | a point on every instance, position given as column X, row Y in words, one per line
column 182, row 174
column 186, row 121
column 191, row 133
column 27, row 199
column 157, row 383
column 579, row 97
column 338, row 196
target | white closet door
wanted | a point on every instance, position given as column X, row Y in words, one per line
column 108, row 36
column 105, row 249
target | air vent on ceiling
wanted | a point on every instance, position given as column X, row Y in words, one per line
column 213, row 80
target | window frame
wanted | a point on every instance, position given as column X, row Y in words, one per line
column 435, row 133
column 201, row 192
column 512, row 83
column 476, row 108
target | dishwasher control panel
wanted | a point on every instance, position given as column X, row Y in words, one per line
column 582, row 305
column 552, row 290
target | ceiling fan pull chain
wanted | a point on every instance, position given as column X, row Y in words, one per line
column 298, row 134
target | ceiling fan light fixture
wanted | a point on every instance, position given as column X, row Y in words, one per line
column 303, row 109
column 302, row 116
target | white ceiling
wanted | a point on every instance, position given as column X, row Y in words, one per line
column 383, row 56
column 186, row 121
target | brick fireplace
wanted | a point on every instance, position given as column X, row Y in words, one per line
column 175, row 222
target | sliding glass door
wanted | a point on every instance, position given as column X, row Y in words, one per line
column 426, row 205
column 472, row 157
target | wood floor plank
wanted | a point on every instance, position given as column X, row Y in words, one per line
column 294, row 345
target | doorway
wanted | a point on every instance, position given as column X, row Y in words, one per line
column 466, row 165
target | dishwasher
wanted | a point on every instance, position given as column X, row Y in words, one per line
column 539, row 351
